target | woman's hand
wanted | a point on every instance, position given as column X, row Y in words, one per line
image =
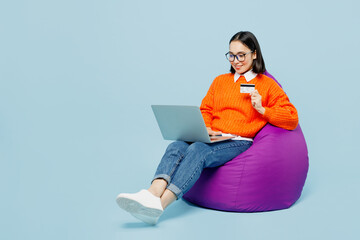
column 256, row 102
column 213, row 133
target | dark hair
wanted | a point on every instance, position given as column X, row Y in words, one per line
column 249, row 40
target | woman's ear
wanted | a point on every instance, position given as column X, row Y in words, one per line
column 254, row 55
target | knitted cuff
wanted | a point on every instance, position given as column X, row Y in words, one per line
column 268, row 113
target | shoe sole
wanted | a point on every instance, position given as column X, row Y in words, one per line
column 146, row 214
column 146, row 219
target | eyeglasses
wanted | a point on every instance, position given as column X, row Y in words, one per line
column 240, row 57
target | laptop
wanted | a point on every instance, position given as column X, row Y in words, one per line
column 184, row 123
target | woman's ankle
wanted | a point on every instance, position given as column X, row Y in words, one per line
column 158, row 187
column 167, row 198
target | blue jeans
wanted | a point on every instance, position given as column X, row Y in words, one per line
column 183, row 162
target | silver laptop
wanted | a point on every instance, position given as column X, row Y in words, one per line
column 183, row 123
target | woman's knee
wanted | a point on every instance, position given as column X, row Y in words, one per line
column 197, row 148
column 178, row 146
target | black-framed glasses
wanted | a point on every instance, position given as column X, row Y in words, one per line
column 240, row 57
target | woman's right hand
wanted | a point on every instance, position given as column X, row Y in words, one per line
column 213, row 133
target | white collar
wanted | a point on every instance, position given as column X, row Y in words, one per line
column 249, row 75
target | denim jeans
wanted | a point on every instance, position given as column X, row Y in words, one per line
column 183, row 162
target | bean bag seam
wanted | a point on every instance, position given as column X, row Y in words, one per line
column 239, row 184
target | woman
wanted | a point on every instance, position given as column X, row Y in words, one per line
column 228, row 109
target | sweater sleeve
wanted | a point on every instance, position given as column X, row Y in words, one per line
column 207, row 105
column 279, row 111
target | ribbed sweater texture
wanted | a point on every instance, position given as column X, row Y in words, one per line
column 227, row 110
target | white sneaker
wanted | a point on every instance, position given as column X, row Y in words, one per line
column 142, row 205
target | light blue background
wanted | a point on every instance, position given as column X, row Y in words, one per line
column 77, row 79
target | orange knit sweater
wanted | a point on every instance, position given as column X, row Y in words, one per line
column 227, row 110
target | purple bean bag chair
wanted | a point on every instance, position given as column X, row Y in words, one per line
column 270, row 175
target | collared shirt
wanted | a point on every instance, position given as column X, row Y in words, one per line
column 249, row 75
column 237, row 137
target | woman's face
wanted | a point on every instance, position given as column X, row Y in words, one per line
column 237, row 48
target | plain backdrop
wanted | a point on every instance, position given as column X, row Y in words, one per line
column 77, row 79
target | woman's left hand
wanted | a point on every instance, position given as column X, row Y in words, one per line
column 256, row 102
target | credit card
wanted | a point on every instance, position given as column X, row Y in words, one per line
column 247, row 88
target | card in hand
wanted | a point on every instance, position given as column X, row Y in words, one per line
column 247, row 88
